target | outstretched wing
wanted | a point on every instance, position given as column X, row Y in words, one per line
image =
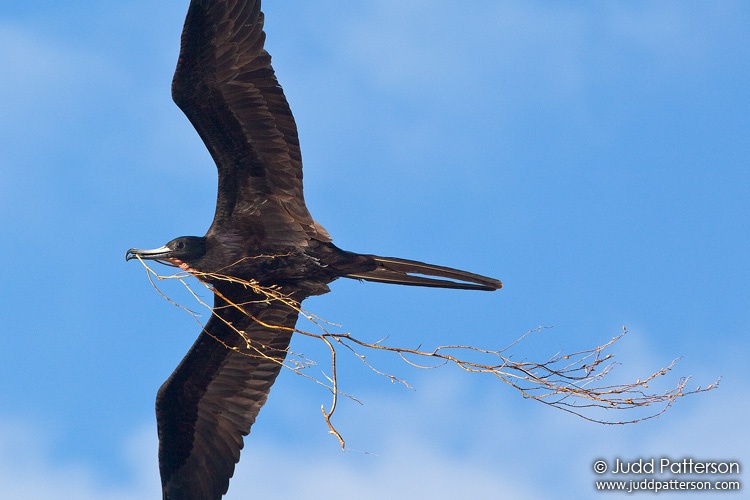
column 226, row 86
column 213, row 397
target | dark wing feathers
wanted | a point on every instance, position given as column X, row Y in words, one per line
column 213, row 397
column 225, row 85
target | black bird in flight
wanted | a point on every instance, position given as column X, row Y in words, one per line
column 261, row 231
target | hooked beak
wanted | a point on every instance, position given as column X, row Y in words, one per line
column 160, row 253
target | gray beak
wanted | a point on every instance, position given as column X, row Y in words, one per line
column 155, row 254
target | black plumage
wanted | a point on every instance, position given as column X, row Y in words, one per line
column 261, row 231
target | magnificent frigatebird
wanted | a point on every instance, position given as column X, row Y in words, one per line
column 261, row 231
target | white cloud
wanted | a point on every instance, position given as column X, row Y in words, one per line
column 408, row 468
column 28, row 471
column 437, row 442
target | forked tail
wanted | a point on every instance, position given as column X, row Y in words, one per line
column 414, row 273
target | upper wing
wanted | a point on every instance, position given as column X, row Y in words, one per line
column 226, row 86
column 213, row 397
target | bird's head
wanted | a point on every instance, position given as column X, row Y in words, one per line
column 184, row 252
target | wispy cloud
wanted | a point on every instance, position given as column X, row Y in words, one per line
column 28, row 469
column 437, row 442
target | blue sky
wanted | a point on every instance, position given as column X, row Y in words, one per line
column 593, row 156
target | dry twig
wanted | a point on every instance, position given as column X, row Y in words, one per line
column 569, row 382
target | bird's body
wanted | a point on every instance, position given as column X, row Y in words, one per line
column 261, row 232
column 270, row 264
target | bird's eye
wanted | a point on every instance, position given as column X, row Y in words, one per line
column 179, row 246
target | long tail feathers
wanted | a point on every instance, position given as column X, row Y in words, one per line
column 413, row 273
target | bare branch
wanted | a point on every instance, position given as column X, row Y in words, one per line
column 570, row 382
